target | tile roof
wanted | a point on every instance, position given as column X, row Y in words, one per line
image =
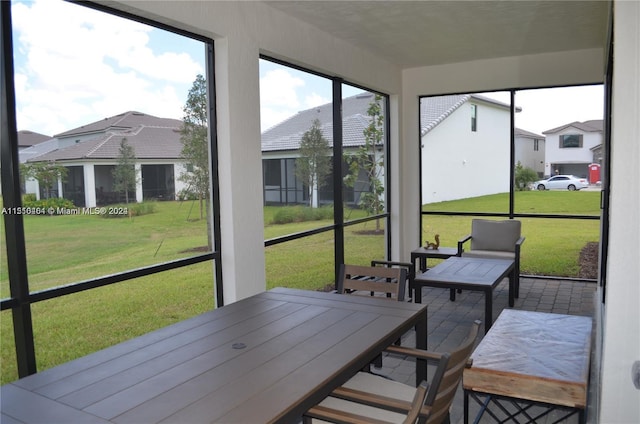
column 28, row 138
column 148, row 142
column 593, row 125
column 434, row 110
column 38, row 149
column 287, row 134
column 123, row 121
column 519, row 132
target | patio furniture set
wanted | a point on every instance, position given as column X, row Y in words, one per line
column 286, row 355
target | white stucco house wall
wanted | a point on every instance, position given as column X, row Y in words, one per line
column 529, row 150
column 91, row 152
column 464, row 147
column 569, row 148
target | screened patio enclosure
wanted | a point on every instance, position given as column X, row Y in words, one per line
column 417, row 49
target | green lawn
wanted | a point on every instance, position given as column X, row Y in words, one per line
column 552, row 246
column 66, row 249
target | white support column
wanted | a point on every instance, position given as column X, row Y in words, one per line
column 139, row 196
column 241, row 196
column 620, row 399
column 89, row 185
column 314, row 201
column 60, row 193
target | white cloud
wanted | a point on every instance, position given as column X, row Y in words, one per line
column 315, row 99
column 278, row 97
column 92, row 66
column 278, row 88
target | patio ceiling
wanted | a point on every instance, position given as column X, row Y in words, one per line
column 425, row 33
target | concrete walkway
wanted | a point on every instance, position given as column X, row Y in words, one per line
column 448, row 323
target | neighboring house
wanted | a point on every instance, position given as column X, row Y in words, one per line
column 27, row 139
column 29, row 142
column 529, row 150
column 91, row 152
column 281, row 142
column 571, row 148
column 465, row 147
column 463, row 140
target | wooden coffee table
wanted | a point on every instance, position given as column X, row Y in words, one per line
column 468, row 274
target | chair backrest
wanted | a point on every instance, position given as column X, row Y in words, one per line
column 409, row 267
column 372, row 279
column 495, row 235
column 448, row 376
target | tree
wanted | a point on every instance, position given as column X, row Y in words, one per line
column 46, row 173
column 524, row 176
column 195, row 149
column 124, row 174
column 365, row 159
column 314, row 163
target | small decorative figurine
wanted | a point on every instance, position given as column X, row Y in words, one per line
column 434, row 246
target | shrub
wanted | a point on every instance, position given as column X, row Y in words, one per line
column 29, row 197
column 184, row 195
column 132, row 209
column 144, row 208
column 289, row 214
column 52, row 205
column 524, row 177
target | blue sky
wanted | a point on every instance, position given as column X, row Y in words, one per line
column 94, row 66
column 97, row 65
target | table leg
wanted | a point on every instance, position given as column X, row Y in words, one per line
column 466, row 407
column 422, row 261
column 511, row 294
column 512, row 288
column 488, row 309
column 421, row 343
column 417, row 293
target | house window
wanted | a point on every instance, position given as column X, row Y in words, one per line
column 536, row 145
column 474, row 118
column 272, row 172
column 569, row 141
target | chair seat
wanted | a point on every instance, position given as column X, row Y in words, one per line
column 489, row 254
column 373, row 384
column 396, row 402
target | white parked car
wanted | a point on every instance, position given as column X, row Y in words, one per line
column 561, row 182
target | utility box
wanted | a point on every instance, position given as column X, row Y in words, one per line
column 594, row 173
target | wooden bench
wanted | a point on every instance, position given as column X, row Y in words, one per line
column 541, row 358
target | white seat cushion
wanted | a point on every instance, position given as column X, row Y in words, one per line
column 373, row 384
